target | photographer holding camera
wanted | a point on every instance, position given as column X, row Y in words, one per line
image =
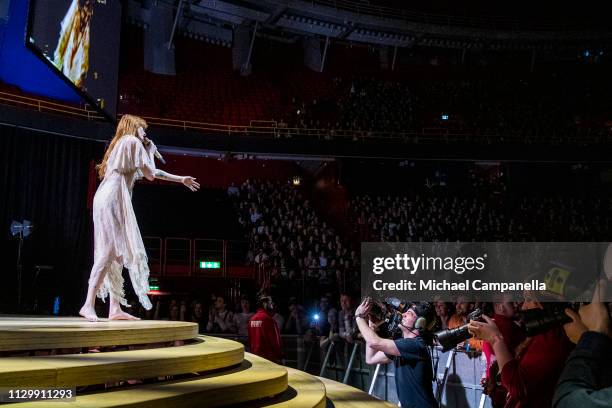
column 586, row 380
column 413, row 365
column 530, row 372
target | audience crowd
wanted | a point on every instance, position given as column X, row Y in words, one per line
column 529, row 111
column 299, row 251
column 440, row 217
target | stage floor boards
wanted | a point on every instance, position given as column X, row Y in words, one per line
column 40, row 333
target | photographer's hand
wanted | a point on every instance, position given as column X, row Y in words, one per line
column 486, row 330
column 591, row 317
column 580, row 383
column 489, row 332
column 364, row 308
column 377, row 349
column 576, row 328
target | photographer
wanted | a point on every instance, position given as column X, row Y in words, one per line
column 413, row 366
column 531, row 372
column 586, row 380
column 504, row 315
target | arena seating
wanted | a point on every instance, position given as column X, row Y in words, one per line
column 351, row 95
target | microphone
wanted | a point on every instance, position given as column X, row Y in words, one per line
column 157, row 154
column 159, row 157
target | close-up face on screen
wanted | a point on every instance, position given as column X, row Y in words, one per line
column 80, row 38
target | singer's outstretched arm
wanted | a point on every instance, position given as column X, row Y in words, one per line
column 187, row 181
column 162, row 175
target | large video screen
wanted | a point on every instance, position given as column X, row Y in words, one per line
column 80, row 40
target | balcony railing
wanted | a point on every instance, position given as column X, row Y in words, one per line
column 42, row 105
column 274, row 130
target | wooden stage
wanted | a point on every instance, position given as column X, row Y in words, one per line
column 36, row 333
column 154, row 364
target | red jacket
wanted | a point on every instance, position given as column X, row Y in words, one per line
column 264, row 336
column 512, row 334
column 531, row 378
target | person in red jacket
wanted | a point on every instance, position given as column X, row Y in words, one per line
column 530, row 372
column 264, row 334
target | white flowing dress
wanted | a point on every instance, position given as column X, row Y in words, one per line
column 117, row 239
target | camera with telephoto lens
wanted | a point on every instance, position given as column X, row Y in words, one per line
column 449, row 338
column 537, row 321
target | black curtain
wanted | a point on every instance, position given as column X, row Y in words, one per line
column 44, row 178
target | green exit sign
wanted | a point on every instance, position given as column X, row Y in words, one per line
column 210, row 265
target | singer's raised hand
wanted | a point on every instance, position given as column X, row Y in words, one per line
column 191, row 183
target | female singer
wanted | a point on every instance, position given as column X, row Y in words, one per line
column 117, row 240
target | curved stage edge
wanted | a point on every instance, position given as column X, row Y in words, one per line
column 154, row 364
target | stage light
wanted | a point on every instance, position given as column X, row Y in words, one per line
column 296, row 181
column 316, row 316
column 21, row 228
column 444, row 117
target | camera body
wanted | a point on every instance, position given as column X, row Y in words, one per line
column 387, row 314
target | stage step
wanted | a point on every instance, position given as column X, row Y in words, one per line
column 22, row 333
column 304, row 391
column 209, row 353
column 228, row 376
column 344, row 396
column 254, row 379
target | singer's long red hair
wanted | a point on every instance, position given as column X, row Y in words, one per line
column 128, row 125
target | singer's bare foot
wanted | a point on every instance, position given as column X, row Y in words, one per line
column 89, row 313
column 121, row 315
